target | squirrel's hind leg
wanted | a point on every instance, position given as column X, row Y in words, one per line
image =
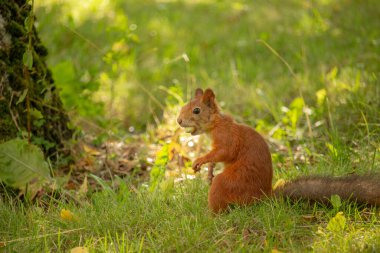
column 217, row 196
column 228, row 189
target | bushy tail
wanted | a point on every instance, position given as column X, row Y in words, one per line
column 362, row 189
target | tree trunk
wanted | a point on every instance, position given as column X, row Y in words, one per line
column 30, row 106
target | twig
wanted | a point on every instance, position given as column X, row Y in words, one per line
column 82, row 37
column 26, row 77
column 108, row 167
column 46, row 105
column 12, row 115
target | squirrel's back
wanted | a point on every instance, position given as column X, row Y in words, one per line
column 364, row 189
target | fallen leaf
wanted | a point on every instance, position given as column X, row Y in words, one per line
column 91, row 150
column 79, row 250
column 67, row 215
column 83, row 189
column 281, row 182
column 248, row 234
column 309, row 217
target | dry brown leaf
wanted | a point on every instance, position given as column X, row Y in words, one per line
column 90, row 150
column 309, row 217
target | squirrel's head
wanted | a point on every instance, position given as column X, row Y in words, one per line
column 197, row 115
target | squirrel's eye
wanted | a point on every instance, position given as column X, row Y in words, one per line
column 196, row 110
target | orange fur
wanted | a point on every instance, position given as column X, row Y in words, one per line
column 247, row 176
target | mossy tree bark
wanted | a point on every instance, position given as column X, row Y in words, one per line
column 30, row 106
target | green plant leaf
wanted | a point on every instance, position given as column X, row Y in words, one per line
column 157, row 173
column 103, row 184
column 22, row 163
column 36, row 114
column 22, row 97
column 336, row 201
column 337, row 223
column 321, row 96
column 29, row 23
column 295, row 112
column 332, row 149
column 27, row 58
column 332, row 74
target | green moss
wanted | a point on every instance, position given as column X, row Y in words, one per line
column 17, row 50
column 6, row 9
column 15, row 29
column 40, row 50
column 7, row 127
column 54, row 128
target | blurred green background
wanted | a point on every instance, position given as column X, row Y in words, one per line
column 286, row 67
column 305, row 74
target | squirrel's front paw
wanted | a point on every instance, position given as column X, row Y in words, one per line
column 197, row 165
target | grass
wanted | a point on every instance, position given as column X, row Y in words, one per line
column 305, row 74
column 134, row 221
column 329, row 45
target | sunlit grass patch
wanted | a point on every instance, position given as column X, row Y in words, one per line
column 156, row 34
column 80, row 11
column 127, row 220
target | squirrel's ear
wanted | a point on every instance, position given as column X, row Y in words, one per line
column 209, row 98
column 198, row 92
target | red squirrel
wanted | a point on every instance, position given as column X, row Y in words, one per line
column 247, row 176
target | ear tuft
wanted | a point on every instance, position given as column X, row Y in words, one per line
column 198, row 92
column 209, row 98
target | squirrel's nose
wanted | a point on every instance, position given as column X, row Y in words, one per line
column 179, row 121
